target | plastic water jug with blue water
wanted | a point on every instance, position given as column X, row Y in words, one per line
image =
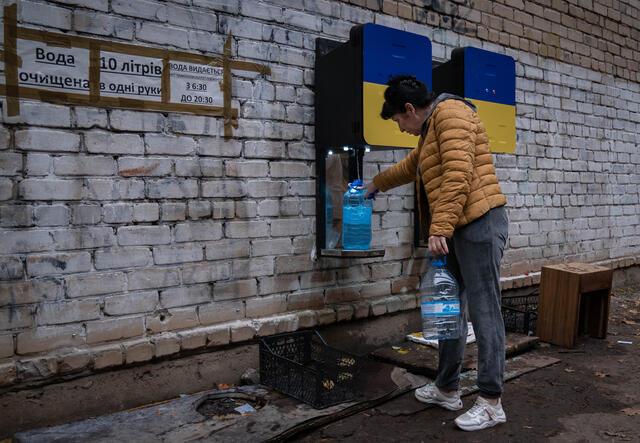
column 356, row 218
column 440, row 302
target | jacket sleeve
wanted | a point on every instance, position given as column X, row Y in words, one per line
column 399, row 174
column 455, row 133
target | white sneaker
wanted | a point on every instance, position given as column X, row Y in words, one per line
column 482, row 415
column 431, row 394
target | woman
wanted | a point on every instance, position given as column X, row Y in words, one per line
column 462, row 214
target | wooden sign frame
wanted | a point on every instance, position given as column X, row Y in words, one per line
column 13, row 91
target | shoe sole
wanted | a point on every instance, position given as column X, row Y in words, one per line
column 452, row 407
column 485, row 425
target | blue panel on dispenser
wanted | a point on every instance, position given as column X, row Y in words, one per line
column 489, row 76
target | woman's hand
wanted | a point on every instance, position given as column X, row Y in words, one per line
column 371, row 190
column 438, row 245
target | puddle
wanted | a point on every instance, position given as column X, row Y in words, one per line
column 225, row 404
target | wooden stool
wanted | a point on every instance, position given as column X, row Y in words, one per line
column 574, row 299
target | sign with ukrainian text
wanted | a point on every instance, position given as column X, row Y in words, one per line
column 74, row 70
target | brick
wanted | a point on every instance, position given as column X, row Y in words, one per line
column 37, row 368
column 10, row 268
column 313, row 299
column 199, row 167
column 254, row 267
column 6, row 350
column 73, row 361
column 140, row 8
column 81, row 238
column 173, row 319
column 87, row 118
column 294, row 263
column 290, row 227
column 163, row 144
column 137, row 121
column 153, row 278
column 267, row 188
column 117, row 213
column 144, row 167
column 68, row 311
column 221, row 311
column 146, row 212
column 317, row 279
column 114, row 329
column 33, row 291
column 46, row 140
column 38, row 164
column 271, row 247
column 14, row 215
column 103, row 142
column 47, row 338
column 172, row 188
column 109, row 189
column 131, row 303
column 226, row 249
column 162, row 34
column 223, row 188
column 184, row 296
column 194, row 125
column 54, row 215
column 137, row 351
column 46, row 15
column 84, row 165
column 197, row 231
column 281, row 283
column 194, row 339
column 51, row 264
column 205, row 272
column 269, row 208
column 246, row 209
column 218, row 335
column 10, row 163
column 246, row 229
column 173, row 211
column 403, row 285
column 264, row 149
column 342, row 294
column 94, row 284
column 234, row 289
column 122, row 258
column 166, row 345
column 177, row 254
column 223, row 209
column 219, row 147
column 50, row 189
column 102, row 24
column 246, row 169
column 230, row 6
column 241, row 332
column 191, row 18
column 106, row 356
column 289, row 169
column 16, row 317
column 143, row 235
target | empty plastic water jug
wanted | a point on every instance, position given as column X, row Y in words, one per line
column 356, row 218
column 440, row 302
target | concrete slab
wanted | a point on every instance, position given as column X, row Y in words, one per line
column 423, row 360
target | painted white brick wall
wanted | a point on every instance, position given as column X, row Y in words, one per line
column 117, row 225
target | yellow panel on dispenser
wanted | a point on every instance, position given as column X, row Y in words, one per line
column 500, row 121
column 376, row 131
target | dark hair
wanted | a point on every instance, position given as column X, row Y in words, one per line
column 403, row 89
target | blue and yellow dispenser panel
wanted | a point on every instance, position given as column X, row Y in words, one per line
column 387, row 52
column 490, row 83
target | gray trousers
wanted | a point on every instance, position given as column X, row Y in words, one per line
column 474, row 258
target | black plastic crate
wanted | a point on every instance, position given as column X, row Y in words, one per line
column 520, row 313
column 302, row 365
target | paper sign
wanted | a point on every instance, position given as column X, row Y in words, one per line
column 196, row 84
column 53, row 68
column 130, row 76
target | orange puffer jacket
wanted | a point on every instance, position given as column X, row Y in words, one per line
column 454, row 162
